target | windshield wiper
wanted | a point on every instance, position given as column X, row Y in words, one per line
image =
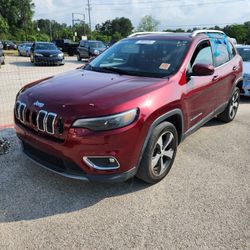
column 115, row 70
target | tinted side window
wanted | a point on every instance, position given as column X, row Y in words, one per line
column 202, row 54
column 220, row 51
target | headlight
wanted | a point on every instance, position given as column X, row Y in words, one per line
column 37, row 54
column 96, row 52
column 108, row 122
column 60, row 55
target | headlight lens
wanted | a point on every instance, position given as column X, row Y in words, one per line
column 96, row 52
column 108, row 122
column 37, row 54
column 60, row 55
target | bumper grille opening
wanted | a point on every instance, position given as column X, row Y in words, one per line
column 50, row 161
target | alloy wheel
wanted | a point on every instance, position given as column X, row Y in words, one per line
column 234, row 105
column 163, row 153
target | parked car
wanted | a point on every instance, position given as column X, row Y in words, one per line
column 1, row 54
column 125, row 113
column 46, row 54
column 8, row 45
column 24, row 49
column 89, row 48
column 67, row 46
column 244, row 51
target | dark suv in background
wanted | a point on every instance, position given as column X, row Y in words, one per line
column 125, row 112
column 89, row 48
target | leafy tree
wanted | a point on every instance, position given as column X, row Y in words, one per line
column 4, row 27
column 148, row 23
column 122, row 25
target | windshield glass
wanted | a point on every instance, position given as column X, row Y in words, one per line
column 46, row 46
column 244, row 53
column 94, row 45
column 28, row 45
column 151, row 58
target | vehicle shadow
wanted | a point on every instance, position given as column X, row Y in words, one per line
column 244, row 100
column 29, row 192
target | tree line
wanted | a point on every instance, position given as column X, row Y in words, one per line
column 16, row 23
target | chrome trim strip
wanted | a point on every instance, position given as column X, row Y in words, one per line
column 22, row 116
column 18, row 110
column 37, row 119
column 92, row 165
column 53, row 123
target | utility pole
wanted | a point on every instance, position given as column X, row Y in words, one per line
column 89, row 9
column 76, row 18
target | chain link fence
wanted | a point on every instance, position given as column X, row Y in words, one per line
column 17, row 72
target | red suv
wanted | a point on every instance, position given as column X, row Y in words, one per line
column 124, row 113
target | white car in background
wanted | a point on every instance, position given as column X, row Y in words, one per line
column 244, row 51
column 24, row 49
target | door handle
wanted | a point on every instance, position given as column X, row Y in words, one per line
column 235, row 68
column 216, row 77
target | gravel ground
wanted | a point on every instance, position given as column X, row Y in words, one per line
column 202, row 204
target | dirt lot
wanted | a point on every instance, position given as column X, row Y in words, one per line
column 202, row 204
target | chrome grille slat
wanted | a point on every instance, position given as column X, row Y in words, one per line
column 50, row 128
column 40, row 120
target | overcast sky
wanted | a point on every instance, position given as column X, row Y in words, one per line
column 170, row 13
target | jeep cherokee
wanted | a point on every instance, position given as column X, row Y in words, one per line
column 125, row 112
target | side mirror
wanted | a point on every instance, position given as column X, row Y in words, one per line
column 200, row 69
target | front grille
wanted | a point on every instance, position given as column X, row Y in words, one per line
column 41, row 121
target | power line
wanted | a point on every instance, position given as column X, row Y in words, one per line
column 174, row 6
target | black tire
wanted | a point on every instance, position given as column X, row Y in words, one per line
column 151, row 169
column 78, row 57
column 232, row 107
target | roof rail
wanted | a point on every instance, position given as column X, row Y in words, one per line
column 148, row 33
column 197, row 32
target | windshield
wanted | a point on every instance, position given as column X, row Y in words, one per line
column 150, row 58
column 28, row 45
column 244, row 53
column 46, row 46
column 94, row 45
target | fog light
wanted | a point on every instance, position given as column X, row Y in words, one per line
column 102, row 162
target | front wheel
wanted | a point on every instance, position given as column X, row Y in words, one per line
column 232, row 107
column 78, row 57
column 159, row 154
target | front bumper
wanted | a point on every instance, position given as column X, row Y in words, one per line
column 48, row 60
column 70, row 171
column 66, row 157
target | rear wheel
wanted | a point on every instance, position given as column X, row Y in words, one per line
column 230, row 112
column 159, row 154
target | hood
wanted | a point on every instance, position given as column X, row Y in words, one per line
column 99, row 49
column 246, row 68
column 84, row 93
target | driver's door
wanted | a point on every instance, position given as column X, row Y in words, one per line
column 200, row 91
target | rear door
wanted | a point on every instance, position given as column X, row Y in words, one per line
column 226, row 68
